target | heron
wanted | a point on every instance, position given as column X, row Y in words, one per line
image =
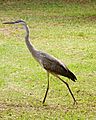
column 51, row 64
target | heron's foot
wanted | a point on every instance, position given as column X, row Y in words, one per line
column 75, row 102
column 43, row 101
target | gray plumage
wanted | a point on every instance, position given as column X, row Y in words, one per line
column 53, row 65
column 49, row 63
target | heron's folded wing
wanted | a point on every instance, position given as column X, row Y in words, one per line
column 53, row 65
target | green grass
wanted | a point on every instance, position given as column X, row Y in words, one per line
column 66, row 30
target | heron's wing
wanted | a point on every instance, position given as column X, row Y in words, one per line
column 53, row 65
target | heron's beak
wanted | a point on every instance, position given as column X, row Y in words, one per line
column 9, row 23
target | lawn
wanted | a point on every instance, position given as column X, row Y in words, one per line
column 66, row 30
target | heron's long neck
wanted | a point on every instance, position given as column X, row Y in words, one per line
column 28, row 43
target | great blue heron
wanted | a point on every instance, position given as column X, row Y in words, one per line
column 49, row 63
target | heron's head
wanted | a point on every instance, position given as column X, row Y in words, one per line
column 22, row 22
column 16, row 22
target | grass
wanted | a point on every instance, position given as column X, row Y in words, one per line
column 66, row 30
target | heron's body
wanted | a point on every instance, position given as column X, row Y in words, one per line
column 49, row 63
column 54, row 66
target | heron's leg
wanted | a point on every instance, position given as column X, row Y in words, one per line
column 68, row 89
column 47, row 88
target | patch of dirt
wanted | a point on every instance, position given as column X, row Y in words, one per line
column 5, row 31
column 91, row 18
column 77, row 1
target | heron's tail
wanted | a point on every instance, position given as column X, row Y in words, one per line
column 71, row 76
